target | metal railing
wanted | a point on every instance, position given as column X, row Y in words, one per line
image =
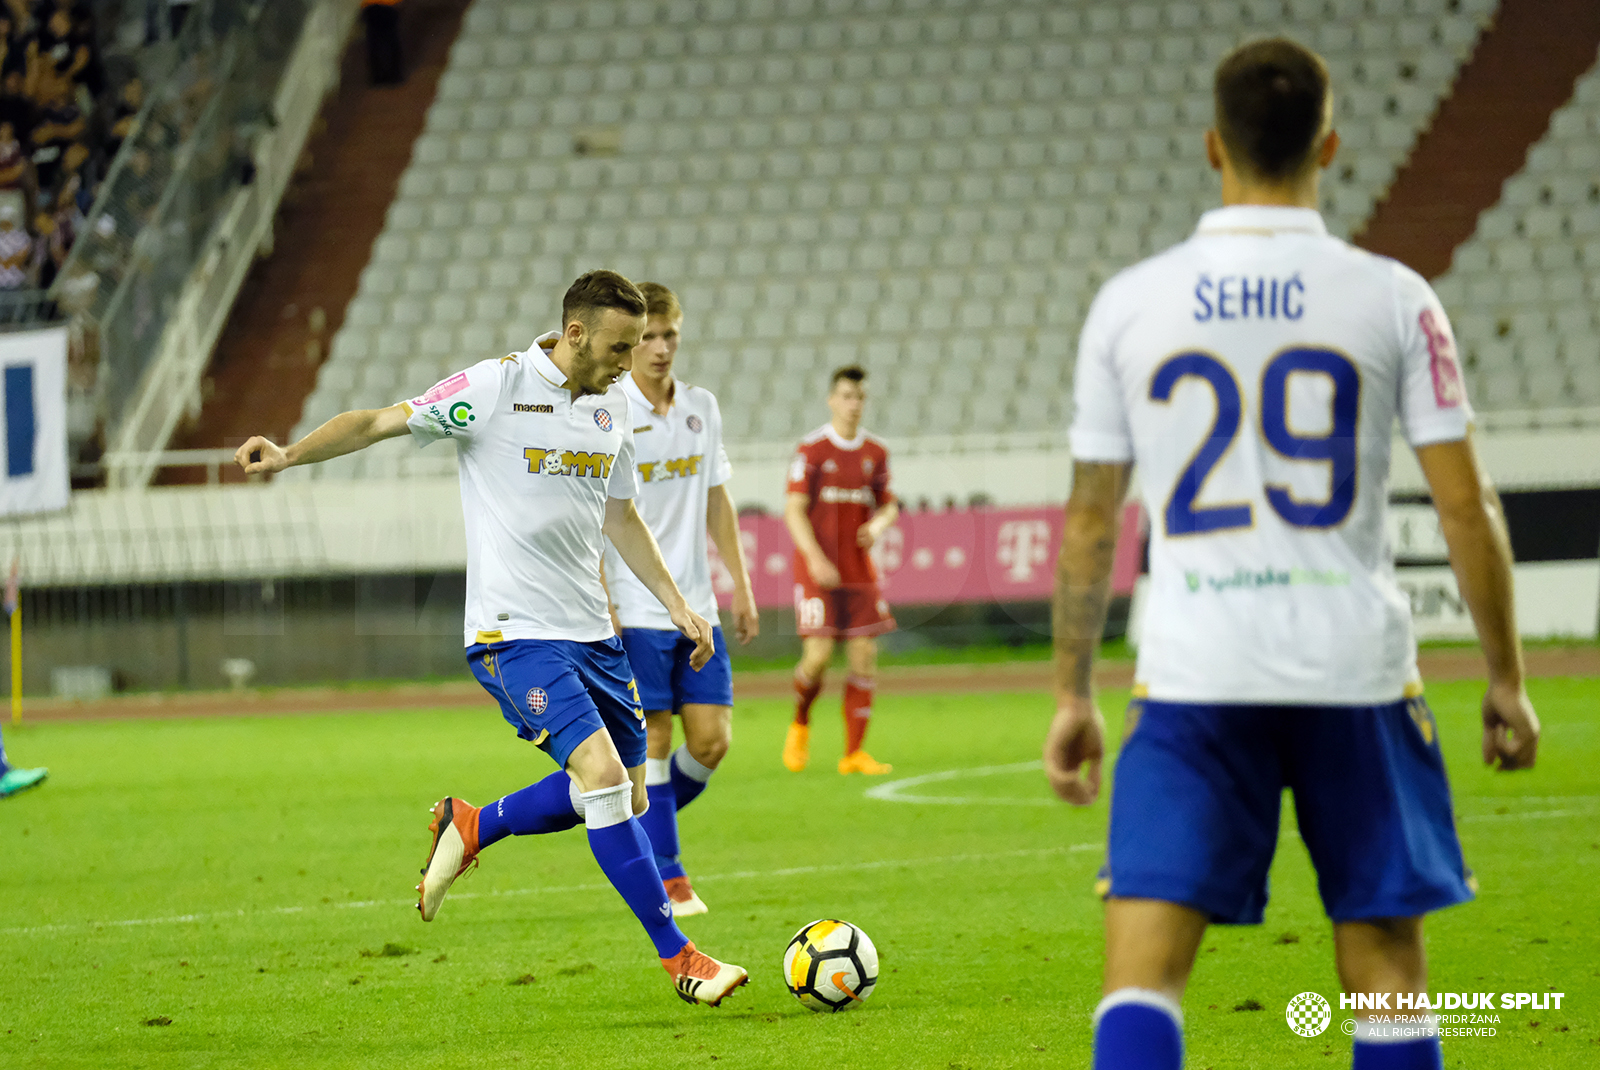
column 26, row 308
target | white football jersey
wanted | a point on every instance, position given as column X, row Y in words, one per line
column 680, row 458
column 1254, row 374
column 536, row 470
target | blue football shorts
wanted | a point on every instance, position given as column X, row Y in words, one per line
column 1197, row 790
column 558, row 693
column 660, row 660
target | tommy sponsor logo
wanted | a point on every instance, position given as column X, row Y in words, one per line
column 538, row 701
column 694, row 423
column 602, row 419
column 549, row 462
column 852, row 495
column 520, row 407
column 677, row 468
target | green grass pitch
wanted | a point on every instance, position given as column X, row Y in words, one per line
column 246, row 885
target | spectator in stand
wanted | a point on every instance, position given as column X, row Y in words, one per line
column 16, row 245
column 60, row 125
column 57, row 230
column 14, row 172
column 382, row 19
column 13, row 53
column 61, row 54
column 129, row 101
column 177, row 15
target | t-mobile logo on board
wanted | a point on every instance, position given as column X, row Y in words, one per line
column 1022, row 546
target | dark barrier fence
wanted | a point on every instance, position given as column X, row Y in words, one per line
column 84, row 641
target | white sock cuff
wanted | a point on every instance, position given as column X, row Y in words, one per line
column 1144, row 997
column 864, row 683
column 576, row 796
column 657, row 771
column 1427, row 1028
column 689, row 767
column 608, row 806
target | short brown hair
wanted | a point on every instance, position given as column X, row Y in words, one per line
column 600, row 289
column 855, row 373
column 660, row 301
column 1272, row 101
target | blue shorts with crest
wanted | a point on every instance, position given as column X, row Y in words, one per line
column 1194, row 808
column 557, row 693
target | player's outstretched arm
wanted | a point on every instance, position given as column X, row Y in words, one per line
column 631, row 536
column 1075, row 744
column 345, row 433
column 824, row 573
column 722, row 521
column 1480, row 553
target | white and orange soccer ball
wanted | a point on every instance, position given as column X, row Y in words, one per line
column 830, row 965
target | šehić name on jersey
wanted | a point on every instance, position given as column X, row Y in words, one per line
column 1255, row 373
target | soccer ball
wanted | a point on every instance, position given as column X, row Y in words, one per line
column 830, row 965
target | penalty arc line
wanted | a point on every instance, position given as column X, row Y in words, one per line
column 746, row 874
column 895, row 791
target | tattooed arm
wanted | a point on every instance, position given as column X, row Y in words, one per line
column 1078, row 615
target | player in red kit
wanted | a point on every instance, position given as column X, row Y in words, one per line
column 838, row 506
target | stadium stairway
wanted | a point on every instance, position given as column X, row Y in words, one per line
column 268, row 357
column 1522, row 70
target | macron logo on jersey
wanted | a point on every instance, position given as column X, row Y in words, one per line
column 568, row 462
column 677, row 468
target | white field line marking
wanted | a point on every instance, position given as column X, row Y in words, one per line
column 895, row 790
column 745, row 874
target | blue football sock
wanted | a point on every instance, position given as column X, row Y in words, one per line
column 623, row 851
column 542, row 807
column 1138, row 1029
column 660, row 823
column 1374, row 1049
column 5, row 766
column 688, row 777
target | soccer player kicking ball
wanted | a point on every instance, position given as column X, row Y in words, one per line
column 683, row 477
column 838, row 506
column 1254, row 373
column 546, row 446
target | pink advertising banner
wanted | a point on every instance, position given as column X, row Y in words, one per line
column 980, row 555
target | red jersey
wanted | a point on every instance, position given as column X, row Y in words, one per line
column 847, row 481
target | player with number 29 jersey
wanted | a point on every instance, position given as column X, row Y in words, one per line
column 1257, row 371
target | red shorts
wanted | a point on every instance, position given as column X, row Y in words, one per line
column 847, row 612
